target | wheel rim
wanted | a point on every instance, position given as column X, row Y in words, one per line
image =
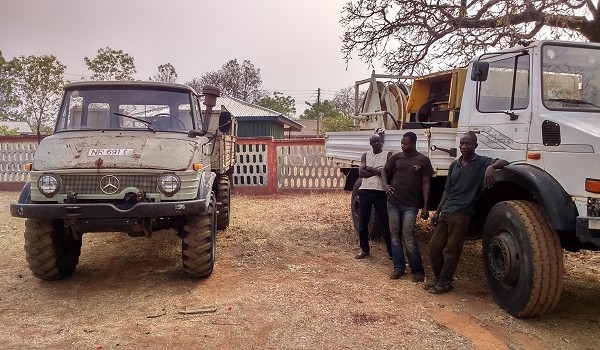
column 504, row 259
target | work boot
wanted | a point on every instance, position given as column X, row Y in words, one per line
column 418, row 277
column 361, row 255
column 441, row 287
column 396, row 274
column 430, row 284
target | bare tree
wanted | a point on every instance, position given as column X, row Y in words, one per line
column 412, row 36
column 235, row 80
column 166, row 74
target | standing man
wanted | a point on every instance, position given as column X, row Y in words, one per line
column 371, row 193
column 410, row 173
column 453, row 215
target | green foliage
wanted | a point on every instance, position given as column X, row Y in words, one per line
column 9, row 101
column 341, row 122
column 240, row 81
column 4, row 130
column 166, row 74
column 330, row 119
column 415, row 37
column 284, row 105
column 111, row 64
column 39, row 83
column 325, row 109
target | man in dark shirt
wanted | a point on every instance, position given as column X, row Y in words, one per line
column 453, row 215
column 409, row 172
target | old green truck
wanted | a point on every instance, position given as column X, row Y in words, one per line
column 132, row 157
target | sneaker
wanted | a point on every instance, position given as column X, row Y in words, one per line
column 430, row 284
column 418, row 277
column 396, row 274
column 361, row 255
column 441, row 287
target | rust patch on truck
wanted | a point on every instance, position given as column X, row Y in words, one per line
column 98, row 163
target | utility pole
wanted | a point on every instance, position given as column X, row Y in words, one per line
column 319, row 112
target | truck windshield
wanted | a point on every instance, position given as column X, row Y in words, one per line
column 571, row 78
column 125, row 109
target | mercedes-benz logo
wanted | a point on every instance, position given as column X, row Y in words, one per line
column 109, row 184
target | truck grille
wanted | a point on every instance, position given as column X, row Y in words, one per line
column 91, row 184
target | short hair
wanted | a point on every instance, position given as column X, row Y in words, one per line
column 471, row 134
column 411, row 136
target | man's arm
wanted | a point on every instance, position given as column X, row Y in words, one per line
column 434, row 218
column 425, row 188
column 489, row 171
column 386, row 176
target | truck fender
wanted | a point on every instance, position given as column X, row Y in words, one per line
column 205, row 188
column 25, row 196
column 556, row 204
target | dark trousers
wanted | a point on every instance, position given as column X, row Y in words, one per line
column 367, row 200
column 447, row 243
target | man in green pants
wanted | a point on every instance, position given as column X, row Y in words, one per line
column 453, row 215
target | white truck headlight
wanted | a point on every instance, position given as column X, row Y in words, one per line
column 169, row 184
column 49, row 185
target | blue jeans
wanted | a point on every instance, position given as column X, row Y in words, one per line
column 402, row 228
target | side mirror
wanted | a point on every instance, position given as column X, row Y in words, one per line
column 225, row 122
column 480, row 71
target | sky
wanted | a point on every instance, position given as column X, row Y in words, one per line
column 296, row 44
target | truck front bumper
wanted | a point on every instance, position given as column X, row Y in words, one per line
column 588, row 229
column 106, row 210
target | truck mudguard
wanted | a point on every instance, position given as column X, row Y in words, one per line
column 557, row 205
column 25, row 196
column 205, row 187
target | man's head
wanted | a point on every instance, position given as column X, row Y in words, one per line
column 468, row 144
column 376, row 143
column 408, row 142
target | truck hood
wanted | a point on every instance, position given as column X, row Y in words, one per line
column 114, row 150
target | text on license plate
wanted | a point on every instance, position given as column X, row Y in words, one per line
column 110, row 152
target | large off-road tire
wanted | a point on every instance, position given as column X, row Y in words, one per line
column 223, row 202
column 375, row 226
column 523, row 259
column 198, row 242
column 51, row 250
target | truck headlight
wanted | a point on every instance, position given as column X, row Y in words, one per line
column 169, row 184
column 49, row 185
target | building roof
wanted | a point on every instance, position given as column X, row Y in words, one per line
column 22, row 127
column 309, row 129
column 245, row 111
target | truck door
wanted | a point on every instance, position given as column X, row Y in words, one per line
column 502, row 110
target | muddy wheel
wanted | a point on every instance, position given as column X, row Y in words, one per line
column 223, row 202
column 523, row 259
column 198, row 242
column 50, row 249
column 375, row 227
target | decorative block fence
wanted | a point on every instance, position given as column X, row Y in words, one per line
column 264, row 165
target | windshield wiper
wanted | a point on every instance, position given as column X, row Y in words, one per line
column 145, row 122
column 573, row 101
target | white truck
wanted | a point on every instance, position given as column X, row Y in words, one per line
column 537, row 106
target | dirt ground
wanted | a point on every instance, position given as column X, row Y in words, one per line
column 285, row 278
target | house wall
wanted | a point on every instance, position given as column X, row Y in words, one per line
column 260, row 129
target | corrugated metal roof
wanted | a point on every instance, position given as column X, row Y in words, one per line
column 242, row 109
column 22, row 127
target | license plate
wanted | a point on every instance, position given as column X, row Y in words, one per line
column 110, row 152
